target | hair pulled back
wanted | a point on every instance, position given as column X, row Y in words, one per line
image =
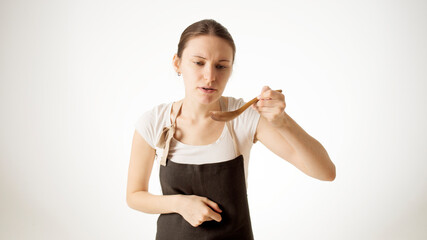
column 205, row 27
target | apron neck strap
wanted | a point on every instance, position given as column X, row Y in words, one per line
column 177, row 113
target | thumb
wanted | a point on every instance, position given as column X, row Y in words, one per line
column 265, row 88
column 214, row 215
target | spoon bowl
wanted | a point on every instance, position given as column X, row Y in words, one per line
column 228, row 116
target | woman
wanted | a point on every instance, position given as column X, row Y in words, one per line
column 203, row 171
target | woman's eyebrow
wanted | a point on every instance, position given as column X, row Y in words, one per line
column 223, row 60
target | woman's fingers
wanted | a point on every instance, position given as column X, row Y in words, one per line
column 212, row 204
column 268, row 93
column 197, row 209
column 212, row 214
column 268, row 103
column 271, row 105
column 270, row 98
column 266, row 106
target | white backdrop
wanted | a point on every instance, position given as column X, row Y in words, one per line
column 75, row 76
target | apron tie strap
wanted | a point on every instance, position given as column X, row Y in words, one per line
column 166, row 137
column 164, row 142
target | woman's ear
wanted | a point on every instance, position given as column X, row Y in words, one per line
column 176, row 61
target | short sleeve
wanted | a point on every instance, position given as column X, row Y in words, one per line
column 252, row 117
column 145, row 127
column 151, row 123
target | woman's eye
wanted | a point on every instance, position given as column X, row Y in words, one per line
column 218, row 66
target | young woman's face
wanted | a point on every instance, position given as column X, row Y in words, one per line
column 205, row 65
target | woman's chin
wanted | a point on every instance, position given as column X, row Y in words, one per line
column 208, row 99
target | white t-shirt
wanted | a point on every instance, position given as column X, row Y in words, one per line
column 151, row 123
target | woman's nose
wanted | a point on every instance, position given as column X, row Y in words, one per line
column 209, row 73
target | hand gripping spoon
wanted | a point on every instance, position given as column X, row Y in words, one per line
column 227, row 116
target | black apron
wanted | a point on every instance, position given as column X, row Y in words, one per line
column 222, row 182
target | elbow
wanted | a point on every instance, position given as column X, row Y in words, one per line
column 331, row 178
column 328, row 174
column 129, row 201
column 331, row 174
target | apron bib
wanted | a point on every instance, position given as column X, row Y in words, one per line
column 222, row 182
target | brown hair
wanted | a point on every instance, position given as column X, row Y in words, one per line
column 205, row 27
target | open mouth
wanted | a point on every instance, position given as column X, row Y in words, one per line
column 207, row 89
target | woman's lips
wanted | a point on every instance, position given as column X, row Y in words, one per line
column 207, row 89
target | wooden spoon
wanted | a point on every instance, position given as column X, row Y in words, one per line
column 227, row 116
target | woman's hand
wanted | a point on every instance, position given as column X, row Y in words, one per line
column 271, row 106
column 196, row 210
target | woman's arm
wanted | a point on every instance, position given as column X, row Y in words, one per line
column 140, row 167
column 194, row 209
column 283, row 136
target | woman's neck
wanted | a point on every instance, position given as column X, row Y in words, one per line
column 196, row 111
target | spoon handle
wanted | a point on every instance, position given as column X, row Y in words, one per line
column 248, row 104
column 254, row 100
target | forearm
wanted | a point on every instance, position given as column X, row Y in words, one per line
column 307, row 150
column 155, row 204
